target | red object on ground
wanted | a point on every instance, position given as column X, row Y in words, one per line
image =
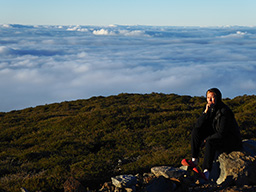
column 189, row 163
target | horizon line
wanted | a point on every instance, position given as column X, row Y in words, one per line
column 115, row 25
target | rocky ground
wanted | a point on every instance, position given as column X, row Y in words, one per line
column 151, row 183
column 213, row 188
column 233, row 172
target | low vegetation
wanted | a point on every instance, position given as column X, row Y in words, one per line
column 101, row 137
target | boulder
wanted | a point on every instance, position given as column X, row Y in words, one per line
column 73, row 185
column 124, row 181
column 168, row 172
column 239, row 167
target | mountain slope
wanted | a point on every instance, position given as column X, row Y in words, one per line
column 100, row 137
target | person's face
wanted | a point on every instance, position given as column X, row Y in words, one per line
column 211, row 99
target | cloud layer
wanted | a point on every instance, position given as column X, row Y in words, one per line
column 46, row 64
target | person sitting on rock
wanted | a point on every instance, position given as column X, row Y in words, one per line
column 217, row 129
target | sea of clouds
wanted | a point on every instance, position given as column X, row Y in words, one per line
column 47, row 64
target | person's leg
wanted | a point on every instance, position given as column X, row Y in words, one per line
column 196, row 141
column 212, row 146
column 218, row 145
column 197, row 138
column 210, row 150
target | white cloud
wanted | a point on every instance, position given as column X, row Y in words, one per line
column 103, row 32
column 124, row 32
column 49, row 64
column 48, row 41
column 248, row 84
column 5, row 50
column 237, row 34
column 132, row 33
column 73, row 28
column 6, row 25
column 82, row 55
column 112, row 25
column 83, row 30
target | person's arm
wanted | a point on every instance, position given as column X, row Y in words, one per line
column 203, row 118
column 222, row 127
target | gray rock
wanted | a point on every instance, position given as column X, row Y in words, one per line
column 124, row 181
column 168, row 172
column 239, row 166
column 185, row 168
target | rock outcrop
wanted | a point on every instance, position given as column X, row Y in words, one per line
column 239, row 167
column 168, row 172
column 125, row 181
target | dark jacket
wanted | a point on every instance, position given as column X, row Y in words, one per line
column 221, row 122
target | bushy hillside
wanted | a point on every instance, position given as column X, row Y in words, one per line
column 101, row 137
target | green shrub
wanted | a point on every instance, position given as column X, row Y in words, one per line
column 41, row 147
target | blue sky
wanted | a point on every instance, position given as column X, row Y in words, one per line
column 73, row 50
column 131, row 12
